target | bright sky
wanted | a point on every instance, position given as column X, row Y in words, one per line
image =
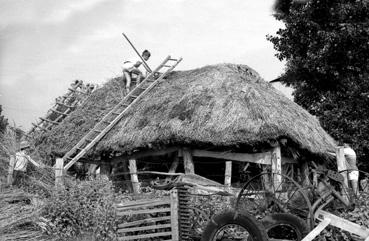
column 45, row 45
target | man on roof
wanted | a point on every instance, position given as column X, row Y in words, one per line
column 21, row 162
column 131, row 68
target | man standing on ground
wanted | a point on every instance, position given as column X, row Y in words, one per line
column 21, row 161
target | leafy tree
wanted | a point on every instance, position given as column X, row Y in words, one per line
column 3, row 121
column 326, row 46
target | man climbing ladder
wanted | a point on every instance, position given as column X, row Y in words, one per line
column 116, row 114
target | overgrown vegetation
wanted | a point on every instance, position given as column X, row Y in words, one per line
column 326, row 46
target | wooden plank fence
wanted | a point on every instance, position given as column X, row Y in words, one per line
column 153, row 218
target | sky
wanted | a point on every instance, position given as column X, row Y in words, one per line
column 45, row 45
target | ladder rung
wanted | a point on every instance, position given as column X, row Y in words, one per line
column 68, row 106
column 50, row 121
column 115, row 113
column 58, row 112
column 98, row 131
column 89, row 140
column 133, row 96
column 169, row 66
column 172, row 59
column 107, row 122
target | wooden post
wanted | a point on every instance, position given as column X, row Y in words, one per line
column 304, row 171
column 174, row 214
column 173, row 167
column 92, row 171
column 59, row 168
column 188, row 162
column 341, row 166
column 277, row 167
column 228, row 174
column 341, row 163
column 134, row 177
column 11, row 170
column 105, row 171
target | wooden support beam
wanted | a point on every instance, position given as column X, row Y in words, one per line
column 141, row 154
column 341, row 166
column 341, row 163
column 11, row 170
column 134, row 177
column 277, row 168
column 258, row 158
column 189, row 167
column 59, row 168
column 305, row 174
column 105, row 170
column 228, row 174
column 174, row 165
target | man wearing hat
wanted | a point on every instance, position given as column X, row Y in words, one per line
column 21, row 161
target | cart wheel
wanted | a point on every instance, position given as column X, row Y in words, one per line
column 285, row 226
column 260, row 197
column 233, row 225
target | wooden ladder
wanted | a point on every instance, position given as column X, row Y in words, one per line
column 46, row 123
column 113, row 117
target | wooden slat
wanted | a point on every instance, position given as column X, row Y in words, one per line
column 142, row 202
column 144, row 221
column 155, row 210
column 343, row 224
column 151, row 235
column 144, row 228
column 142, row 206
column 174, row 214
column 50, row 121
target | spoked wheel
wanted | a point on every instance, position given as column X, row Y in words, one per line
column 269, row 193
column 234, row 226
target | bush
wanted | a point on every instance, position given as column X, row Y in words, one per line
column 81, row 208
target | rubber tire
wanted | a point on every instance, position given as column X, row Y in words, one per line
column 244, row 220
column 299, row 225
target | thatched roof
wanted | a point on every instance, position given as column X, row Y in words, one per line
column 216, row 106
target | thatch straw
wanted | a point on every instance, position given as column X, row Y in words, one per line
column 221, row 105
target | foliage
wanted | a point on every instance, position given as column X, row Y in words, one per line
column 3, row 122
column 326, row 46
column 83, row 208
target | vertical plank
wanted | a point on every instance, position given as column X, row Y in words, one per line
column 341, row 166
column 188, row 161
column 277, row 167
column 134, row 178
column 173, row 167
column 105, row 171
column 59, row 168
column 11, row 170
column 174, row 214
column 228, row 174
column 304, row 172
column 341, row 163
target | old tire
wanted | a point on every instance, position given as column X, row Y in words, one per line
column 244, row 220
column 285, row 226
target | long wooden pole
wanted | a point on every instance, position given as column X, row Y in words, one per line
column 143, row 61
